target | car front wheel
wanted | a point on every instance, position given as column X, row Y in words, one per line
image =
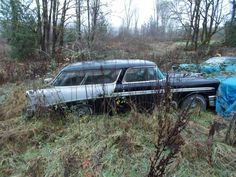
column 82, row 110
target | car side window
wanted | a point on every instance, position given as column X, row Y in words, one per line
column 69, row 79
column 100, row 76
column 141, row 74
column 151, row 74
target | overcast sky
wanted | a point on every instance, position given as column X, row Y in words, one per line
column 115, row 10
column 145, row 9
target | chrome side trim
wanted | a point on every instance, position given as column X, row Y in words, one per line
column 192, row 89
column 147, row 92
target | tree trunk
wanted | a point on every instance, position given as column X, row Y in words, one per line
column 233, row 11
column 45, row 25
column 49, row 26
column 196, row 24
column 213, row 19
column 78, row 16
column 88, row 16
column 95, row 12
column 54, row 26
column 63, row 17
column 39, row 24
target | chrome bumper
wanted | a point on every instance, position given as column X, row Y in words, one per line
column 212, row 100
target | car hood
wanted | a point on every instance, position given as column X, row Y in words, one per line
column 194, row 81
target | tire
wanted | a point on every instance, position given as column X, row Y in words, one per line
column 82, row 110
column 193, row 102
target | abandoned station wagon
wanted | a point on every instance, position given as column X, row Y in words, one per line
column 94, row 86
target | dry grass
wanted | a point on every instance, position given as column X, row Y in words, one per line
column 105, row 146
column 14, row 103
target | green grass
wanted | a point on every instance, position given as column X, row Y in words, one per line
column 100, row 140
column 106, row 146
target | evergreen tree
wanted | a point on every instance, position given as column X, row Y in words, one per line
column 18, row 25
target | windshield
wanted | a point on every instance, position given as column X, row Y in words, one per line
column 159, row 74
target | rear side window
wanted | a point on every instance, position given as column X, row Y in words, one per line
column 141, row 74
column 100, row 76
column 86, row 77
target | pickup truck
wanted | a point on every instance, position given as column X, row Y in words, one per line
column 95, row 86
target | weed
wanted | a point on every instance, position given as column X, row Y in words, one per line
column 169, row 139
column 100, row 145
column 230, row 136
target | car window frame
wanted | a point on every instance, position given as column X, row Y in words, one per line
column 125, row 82
column 82, row 82
column 58, row 75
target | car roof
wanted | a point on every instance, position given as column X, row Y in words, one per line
column 108, row 64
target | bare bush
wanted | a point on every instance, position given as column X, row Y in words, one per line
column 14, row 71
column 169, row 139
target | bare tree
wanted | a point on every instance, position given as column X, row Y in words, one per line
column 209, row 12
column 187, row 12
column 65, row 8
column 95, row 10
column 196, row 23
column 156, row 12
column 78, row 17
column 45, row 24
column 233, row 2
column 136, row 19
column 94, row 18
column 88, row 18
column 129, row 14
column 54, row 26
column 212, row 17
column 158, row 24
column 39, row 23
column 164, row 14
column 51, row 24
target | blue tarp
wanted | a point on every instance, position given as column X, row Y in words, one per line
column 230, row 68
column 188, row 67
column 225, row 73
column 226, row 97
column 207, row 68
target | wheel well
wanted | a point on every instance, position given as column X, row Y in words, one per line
column 193, row 93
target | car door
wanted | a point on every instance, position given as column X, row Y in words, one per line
column 140, row 85
column 94, row 85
